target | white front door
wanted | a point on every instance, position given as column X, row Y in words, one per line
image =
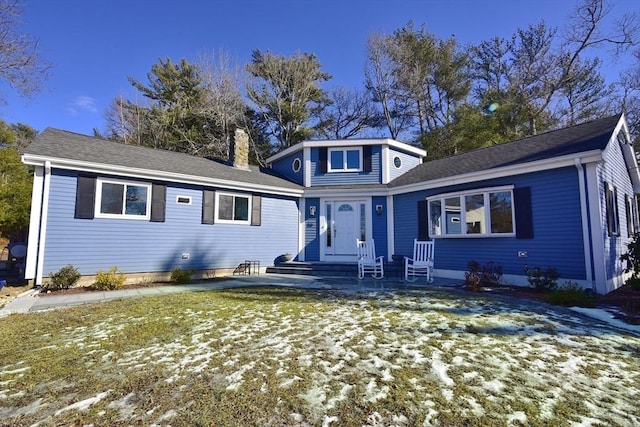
column 345, row 223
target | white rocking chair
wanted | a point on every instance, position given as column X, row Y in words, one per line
column 422, row 262
column 367, row 260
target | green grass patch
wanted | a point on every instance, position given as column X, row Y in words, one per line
column 286, row 357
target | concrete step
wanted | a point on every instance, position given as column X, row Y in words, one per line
column 328, row 269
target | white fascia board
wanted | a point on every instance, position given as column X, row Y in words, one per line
column 630, row 159
column 518, row 169
column 156, row 175
column 348, row 143
column 345, row 192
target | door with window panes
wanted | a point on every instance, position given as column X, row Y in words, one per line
column 345, row 223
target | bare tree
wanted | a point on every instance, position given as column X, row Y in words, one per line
column 20, row 63
column 382, row 83
column 351, row 113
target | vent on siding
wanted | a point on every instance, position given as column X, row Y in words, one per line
column 183, row 200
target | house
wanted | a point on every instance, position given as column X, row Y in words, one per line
column 563, row 199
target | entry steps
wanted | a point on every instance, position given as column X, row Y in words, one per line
column 331, row 269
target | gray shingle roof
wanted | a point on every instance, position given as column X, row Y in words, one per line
column 580, row 138
column 55, row 143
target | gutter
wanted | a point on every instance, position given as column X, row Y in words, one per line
column 66, row 164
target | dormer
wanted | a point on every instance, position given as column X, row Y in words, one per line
column 346, row 161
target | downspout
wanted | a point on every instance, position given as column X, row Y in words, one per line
column 43, row 222
column 584, row 215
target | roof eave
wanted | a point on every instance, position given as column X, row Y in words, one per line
column 500, row 172
column 347, row 143
column 67, row 164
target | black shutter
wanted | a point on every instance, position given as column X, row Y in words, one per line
column 322, row 160
column 423, row 221
column 208, row 206
column 524, row 216
column 85, row 197
column 366, row 158
column 158, row 202
column 256, row 210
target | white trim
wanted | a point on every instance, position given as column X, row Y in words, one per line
column 302, row 254
column 391, row 244
column 43, row 223
column 501, row 172
column 34, row 223
column 344, row 192
column 348, row 143
column 293, row 165
column 151, row 175
column 323, row 227
column 218, row 220
column 98, row 202
column 385, row 165
column 345, row 167
column 596, row 228
column 585, row 221
column 461, row 196
column 306, row 157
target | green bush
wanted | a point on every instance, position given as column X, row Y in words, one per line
column 545, row 280
column 571, row 295
column 181, row 276
column 109, row 280
column 65, row 278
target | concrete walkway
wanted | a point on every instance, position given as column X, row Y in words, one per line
column 32, row 301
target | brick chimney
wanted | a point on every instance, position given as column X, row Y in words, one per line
column 240, row 149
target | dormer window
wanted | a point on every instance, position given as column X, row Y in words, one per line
column 345, row 159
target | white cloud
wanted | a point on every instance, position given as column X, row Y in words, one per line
column 81, row 104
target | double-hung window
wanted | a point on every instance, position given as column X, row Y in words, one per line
column 233, row 208
column 482, row 213
column 122, row 199
column 345, row 159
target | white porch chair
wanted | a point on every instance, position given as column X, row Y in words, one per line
column 368, row 262
column 422, row 262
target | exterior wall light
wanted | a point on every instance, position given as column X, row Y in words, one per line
column 312, row 211
column 379, row 209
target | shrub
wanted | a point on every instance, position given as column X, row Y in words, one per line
column 569, row 295
column 109, row 280
column 181, row 276
column 65, row 278
column 545, row 280
column 632, row 258
column 478, row 275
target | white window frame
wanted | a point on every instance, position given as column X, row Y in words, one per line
column 344, row 168
column 101, row 181
column 296, row 165
column 462, row 220
column 233, row 221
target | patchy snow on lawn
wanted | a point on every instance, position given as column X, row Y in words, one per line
column 406, row 358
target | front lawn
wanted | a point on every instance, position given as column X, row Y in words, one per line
column 274, row 357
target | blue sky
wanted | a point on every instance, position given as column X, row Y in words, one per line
column 95, row 45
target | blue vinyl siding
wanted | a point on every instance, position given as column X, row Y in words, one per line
column 409, row 161
column 284, row 167
column 614, row 172
column 379, row 225
column 557, row 228
column 142, row 246
column 347, row 178
column 311, row 231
